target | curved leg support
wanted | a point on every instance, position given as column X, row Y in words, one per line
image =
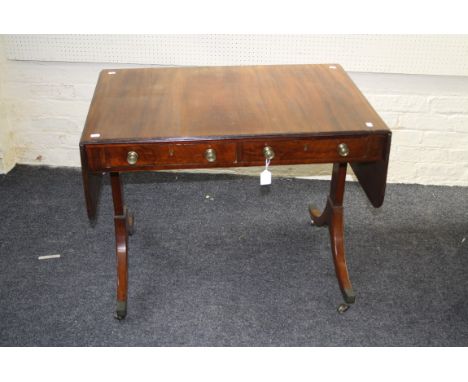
column 121, row 223
column 332, row 216
column 336, row 230
column 319, row 218
column 122, row 265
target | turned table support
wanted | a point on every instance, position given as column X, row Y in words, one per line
column 332, row 216
column 123, row 222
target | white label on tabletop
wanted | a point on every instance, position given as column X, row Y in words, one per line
column 95, row 135
column 369, row 124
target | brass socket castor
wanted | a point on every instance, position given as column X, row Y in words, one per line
column 121, row 310
column 342, row 308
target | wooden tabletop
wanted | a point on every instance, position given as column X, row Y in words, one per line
column 190, row 103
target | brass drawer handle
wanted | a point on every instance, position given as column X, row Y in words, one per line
column 343, row 149
column 268, row 153
column 132, row 157
column 210, row 155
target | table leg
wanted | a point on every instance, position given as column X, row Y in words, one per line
column 123, row 222
column 333, row 217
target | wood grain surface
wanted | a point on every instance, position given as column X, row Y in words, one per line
column 170, row 104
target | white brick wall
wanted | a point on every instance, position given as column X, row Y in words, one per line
column 429, row 119
column 46, row 106
column 7, row 149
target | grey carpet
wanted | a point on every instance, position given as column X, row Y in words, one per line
column 240, row 268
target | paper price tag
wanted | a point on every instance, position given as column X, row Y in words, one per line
column 265, row 178
column 265, row 175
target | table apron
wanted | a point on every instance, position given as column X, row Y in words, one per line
column 233, row 153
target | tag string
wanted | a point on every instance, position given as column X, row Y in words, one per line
column 267, row 163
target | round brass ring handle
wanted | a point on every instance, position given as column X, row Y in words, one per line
column 268, row 153
column 343, row 149
column 132, row 157
column 210, row 155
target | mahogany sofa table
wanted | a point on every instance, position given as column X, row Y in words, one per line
column 206, row 117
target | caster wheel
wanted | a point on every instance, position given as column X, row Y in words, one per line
column 121, row 310
column 119, row 316
column 343, row 308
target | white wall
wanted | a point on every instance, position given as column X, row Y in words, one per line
column 441, row 54
column 7, row 147
column 48, row 101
